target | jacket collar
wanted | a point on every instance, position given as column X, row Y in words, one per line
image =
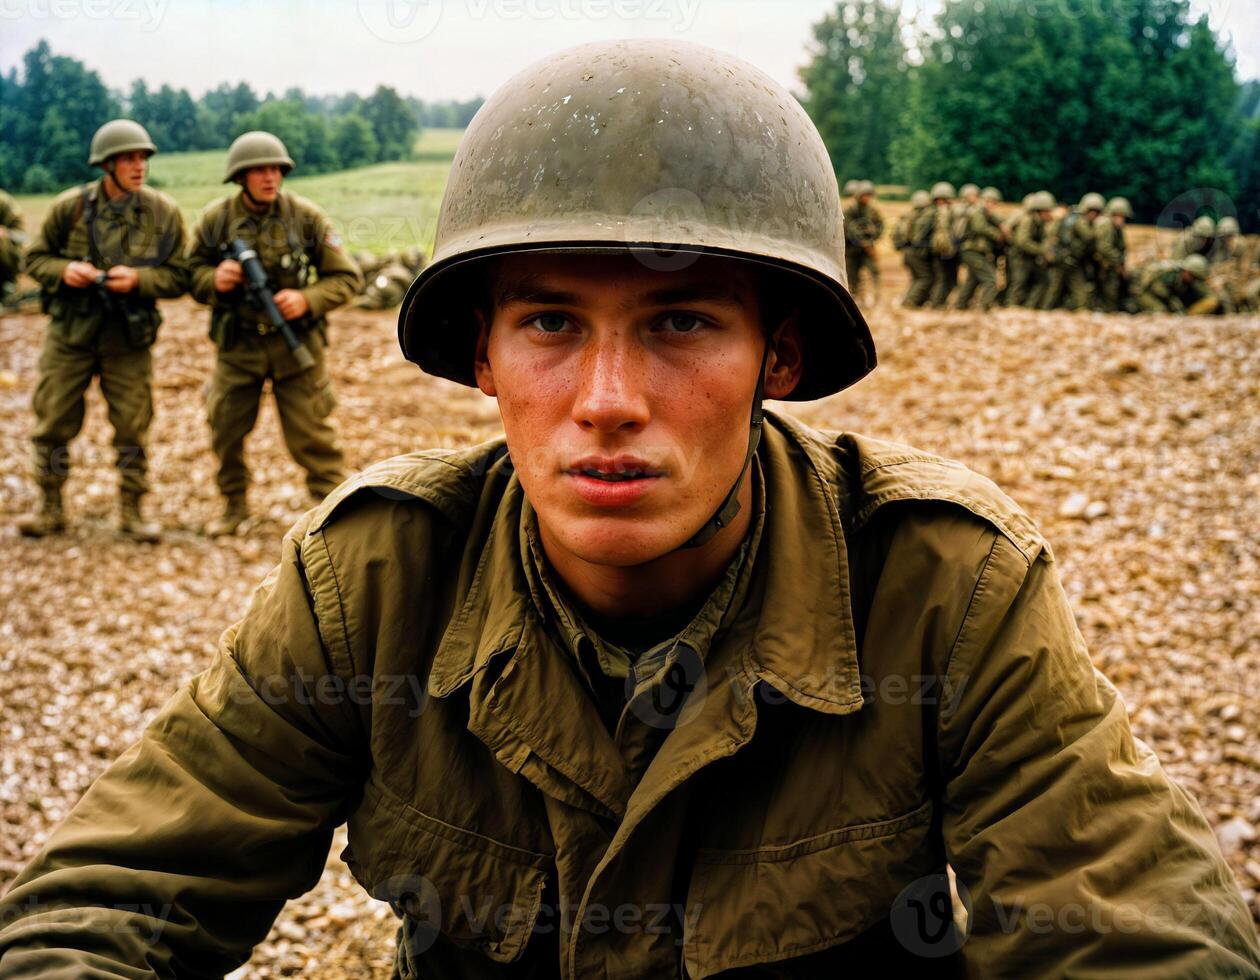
column 804, row 643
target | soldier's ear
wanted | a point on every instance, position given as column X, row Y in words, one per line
column 481, row 359
column 786, row 363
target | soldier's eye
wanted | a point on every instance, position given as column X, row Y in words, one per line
column 680, row 322
column 549, row 322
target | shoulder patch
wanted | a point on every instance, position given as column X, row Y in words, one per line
column 888, row 471
column 449, row 480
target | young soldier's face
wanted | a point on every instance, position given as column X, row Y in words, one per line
column 129, row 170
column 263, row 183
column 626, row 393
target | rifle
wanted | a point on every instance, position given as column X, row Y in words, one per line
column 259, row 291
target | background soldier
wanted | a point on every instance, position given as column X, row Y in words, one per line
column 981, row 240
column 11, row 239
column 917, row 253
column 1198, row 239
column 305, row 264
column 386, row 288
column 1111, row 256
column 931, row 233
column 863, row 224
column 1176, row 286
column 1025, row 260
column 945, row 238
column 1070, row 279
column 106, row 252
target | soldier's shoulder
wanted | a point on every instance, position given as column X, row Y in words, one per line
column 216, row 208
column 447, row 481
column 874, row 474
column 305, row 207
column 70, row 199
column 160, row 201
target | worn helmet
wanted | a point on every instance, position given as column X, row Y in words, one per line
column 256, row 149
column 1042, row 201
column 968, row 189
column 920, row 199
column 1203, row 227
column 1119, row 205
column 850, row 187
column 1196, row 265
column 118, row 136
column 991, row 194
column 642, row 147
column 865, row 187
column 1228, row 225
column 1092, row 202
column 943, row 189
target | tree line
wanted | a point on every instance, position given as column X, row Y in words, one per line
column 1137, row 98
column 50, row 109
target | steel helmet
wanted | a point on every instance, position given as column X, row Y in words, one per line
column 1042, row 201
column 1119, row 205
column 118, row 136
column 256, row 149
column 943, row 189
column 1228, row 225
column 1196, row 265
column 991, row 194
column 850, row 187
column 638, row 147
column 968, row 189
column 1203, row 227
column 865, row 187
column 920, row 199
column 1092, row 202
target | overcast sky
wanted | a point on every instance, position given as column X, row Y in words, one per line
column 435, row 49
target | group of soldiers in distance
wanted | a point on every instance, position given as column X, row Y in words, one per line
column 961, row 253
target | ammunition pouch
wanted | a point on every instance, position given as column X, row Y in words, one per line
column 142, row 320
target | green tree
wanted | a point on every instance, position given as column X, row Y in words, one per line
column 393, row 124
column 856, row 84
column 353, row 142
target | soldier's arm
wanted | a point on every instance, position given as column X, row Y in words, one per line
column 1024, row 241
column 1084, row 857
column 181, row 855
column 339, row 277
column 44, row 259
column 169, row 278
column 202, row 256
column 851, row 236
column 1105, row 246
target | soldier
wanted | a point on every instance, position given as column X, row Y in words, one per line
column 302, row 255
column 11, row 240
column 900, row 236
column 1198, row 239
column 917, row 252
column 107, row 251
column 981, row 240
column 1026, row 257
column 645, row 659
column 1176, row 286
column 863, row 225
column 1111, row 255
column 933, row 247
column 1069, row 280
column 946, row 236
column 1226, row 249
column 386, row 288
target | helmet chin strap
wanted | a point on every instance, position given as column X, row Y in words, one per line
column 730, row 505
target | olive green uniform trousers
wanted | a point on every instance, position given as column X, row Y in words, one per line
column 126, row 379
column 304, row 399
column 919, row 263
column 981, row 280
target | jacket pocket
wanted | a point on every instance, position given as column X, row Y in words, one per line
column 475, row 892
column 774, row 903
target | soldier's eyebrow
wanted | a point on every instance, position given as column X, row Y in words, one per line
column 530, row 289
column 698, row 292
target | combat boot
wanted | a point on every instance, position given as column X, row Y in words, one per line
column 49, row 519
column 234, row 515
column 132, row 525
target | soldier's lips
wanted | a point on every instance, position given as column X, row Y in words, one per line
column 612, row 482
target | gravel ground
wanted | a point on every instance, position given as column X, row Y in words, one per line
column 1133, row 441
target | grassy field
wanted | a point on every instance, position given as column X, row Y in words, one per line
column 379, row 208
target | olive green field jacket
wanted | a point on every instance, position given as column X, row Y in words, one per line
column 901, row 687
